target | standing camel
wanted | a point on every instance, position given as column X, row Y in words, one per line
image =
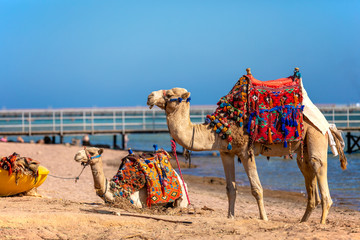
column 201, row 137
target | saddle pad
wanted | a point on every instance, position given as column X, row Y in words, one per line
column 20, row 165
column 270, row 111
column 129, row 178
column 161, row 180
column 152, row 171
column 275, row 110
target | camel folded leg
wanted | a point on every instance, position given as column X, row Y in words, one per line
column 229, row 169
column 256, row 188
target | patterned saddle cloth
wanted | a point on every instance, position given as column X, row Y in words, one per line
column 270, row 110
column 20, row 165
column 150, row 170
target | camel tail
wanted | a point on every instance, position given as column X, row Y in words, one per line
column 340, row 144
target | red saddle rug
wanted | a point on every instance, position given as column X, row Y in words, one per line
column 152, row 171
column 272, row 110
column 20, row 166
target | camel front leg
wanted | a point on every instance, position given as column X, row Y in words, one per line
column 229, row 169
column 256, row 188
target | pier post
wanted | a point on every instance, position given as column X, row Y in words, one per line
column 348, row 138
column 353, row 143
column 114, row 141
column 53, row 140
column 124, row 141
column 61, row 139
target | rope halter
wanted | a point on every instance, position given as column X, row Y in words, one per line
column 89, row 157
column 179, row 99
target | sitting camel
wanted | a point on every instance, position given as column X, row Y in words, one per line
column 201, row 137
column 92, row 156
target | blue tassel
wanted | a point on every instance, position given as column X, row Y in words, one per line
column 296, row 134
column 188, row 100
column 283, row 127
column 285, row 144
column 229, row 147
column 248, row 126
column 155, row 146
column 130, row 151
column 286, row 132
column 222, row 105
column 218, row 130
column 207, row 121
column 180, row 99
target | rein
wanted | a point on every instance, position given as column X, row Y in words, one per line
column 187, row 153
column 173, row 147
column 89, row 158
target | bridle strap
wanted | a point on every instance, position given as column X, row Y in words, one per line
column 179, row 100
column 89, row 157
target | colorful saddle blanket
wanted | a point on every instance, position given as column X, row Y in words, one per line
column 152, row 171
column 20, row 165
column 271, row 110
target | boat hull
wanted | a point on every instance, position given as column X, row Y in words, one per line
column 8, row 186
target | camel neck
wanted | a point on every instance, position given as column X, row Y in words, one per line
column 99, row 177
column 197, row 137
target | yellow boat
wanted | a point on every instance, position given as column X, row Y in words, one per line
column 25, row 183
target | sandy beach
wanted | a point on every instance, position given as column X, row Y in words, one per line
column 69, row 210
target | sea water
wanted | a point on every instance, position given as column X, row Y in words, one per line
column 282, row 174
column 275, row 174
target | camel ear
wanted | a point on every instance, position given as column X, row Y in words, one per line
column 185, row 95
column 101, row 151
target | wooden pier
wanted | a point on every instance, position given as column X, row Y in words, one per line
column 94, row 121
column 134, row 120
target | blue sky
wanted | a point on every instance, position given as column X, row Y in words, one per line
column 61, row 54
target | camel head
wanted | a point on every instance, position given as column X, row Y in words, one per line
column 168, row 98
column 88, row 155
